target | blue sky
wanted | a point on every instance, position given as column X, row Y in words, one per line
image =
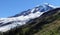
column 12, row 7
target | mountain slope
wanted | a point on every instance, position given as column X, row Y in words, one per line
column 42, row 26
column 50, row 29
column 23, row 18
column 32, row 22
column 53, row 28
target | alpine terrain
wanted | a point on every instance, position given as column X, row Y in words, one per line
column 40, row 20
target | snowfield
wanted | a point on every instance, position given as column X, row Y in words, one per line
column 21, row 20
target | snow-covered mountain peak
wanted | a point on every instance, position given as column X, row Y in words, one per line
column 22, row 18
column 43, row 8
column 50, row 5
